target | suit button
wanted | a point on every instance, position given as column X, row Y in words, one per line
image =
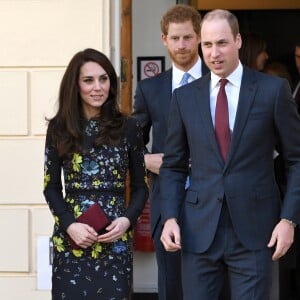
column 220, row 200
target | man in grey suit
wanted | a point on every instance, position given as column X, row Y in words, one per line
column 180, row 27
column 230, row 220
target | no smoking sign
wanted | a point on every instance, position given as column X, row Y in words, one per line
column 151, row 69
column 150, row 66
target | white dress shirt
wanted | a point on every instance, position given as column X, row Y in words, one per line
column 232, row 89
column 195, row 72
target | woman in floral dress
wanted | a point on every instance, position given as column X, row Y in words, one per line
column 93, row 145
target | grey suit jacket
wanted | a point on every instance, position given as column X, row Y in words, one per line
column 266, row 113
column 151, row 107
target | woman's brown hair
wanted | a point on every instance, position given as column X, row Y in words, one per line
column 65, row 128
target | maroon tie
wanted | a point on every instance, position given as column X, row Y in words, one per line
column 222, row 120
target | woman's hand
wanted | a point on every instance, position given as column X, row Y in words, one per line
column 82, row 234
column 115, row 230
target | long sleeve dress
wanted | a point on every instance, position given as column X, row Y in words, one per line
column 104, row 270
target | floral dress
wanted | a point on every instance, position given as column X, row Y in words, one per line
column 104, row 270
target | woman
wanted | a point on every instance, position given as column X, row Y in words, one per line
column 253, row 52
column 94, row 144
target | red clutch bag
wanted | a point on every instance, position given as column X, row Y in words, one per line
column 96, row 218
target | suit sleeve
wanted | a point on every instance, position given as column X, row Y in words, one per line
column 287, row 123
column 141, row 113
column 174, row 169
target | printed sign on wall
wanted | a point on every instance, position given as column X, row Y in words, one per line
column 149, row 66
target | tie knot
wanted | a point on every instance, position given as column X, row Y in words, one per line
column 185, row 79
column 223, row 82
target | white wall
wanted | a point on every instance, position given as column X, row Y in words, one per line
column 38, row 38
column 146, row 30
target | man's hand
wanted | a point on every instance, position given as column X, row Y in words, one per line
column 170, row 236
column 283, row 237
column 153, row 162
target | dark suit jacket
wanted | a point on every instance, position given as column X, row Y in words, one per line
column 151, row 108
column 266, row 112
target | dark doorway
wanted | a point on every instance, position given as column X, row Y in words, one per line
column 279, row 28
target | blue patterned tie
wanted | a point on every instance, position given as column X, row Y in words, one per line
column 185, row 79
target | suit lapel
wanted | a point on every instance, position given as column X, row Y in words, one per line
column 166, row 92
column 246, row 98
column 205, row 114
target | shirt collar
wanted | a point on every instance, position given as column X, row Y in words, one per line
column 195, row 71
column 234, row 78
